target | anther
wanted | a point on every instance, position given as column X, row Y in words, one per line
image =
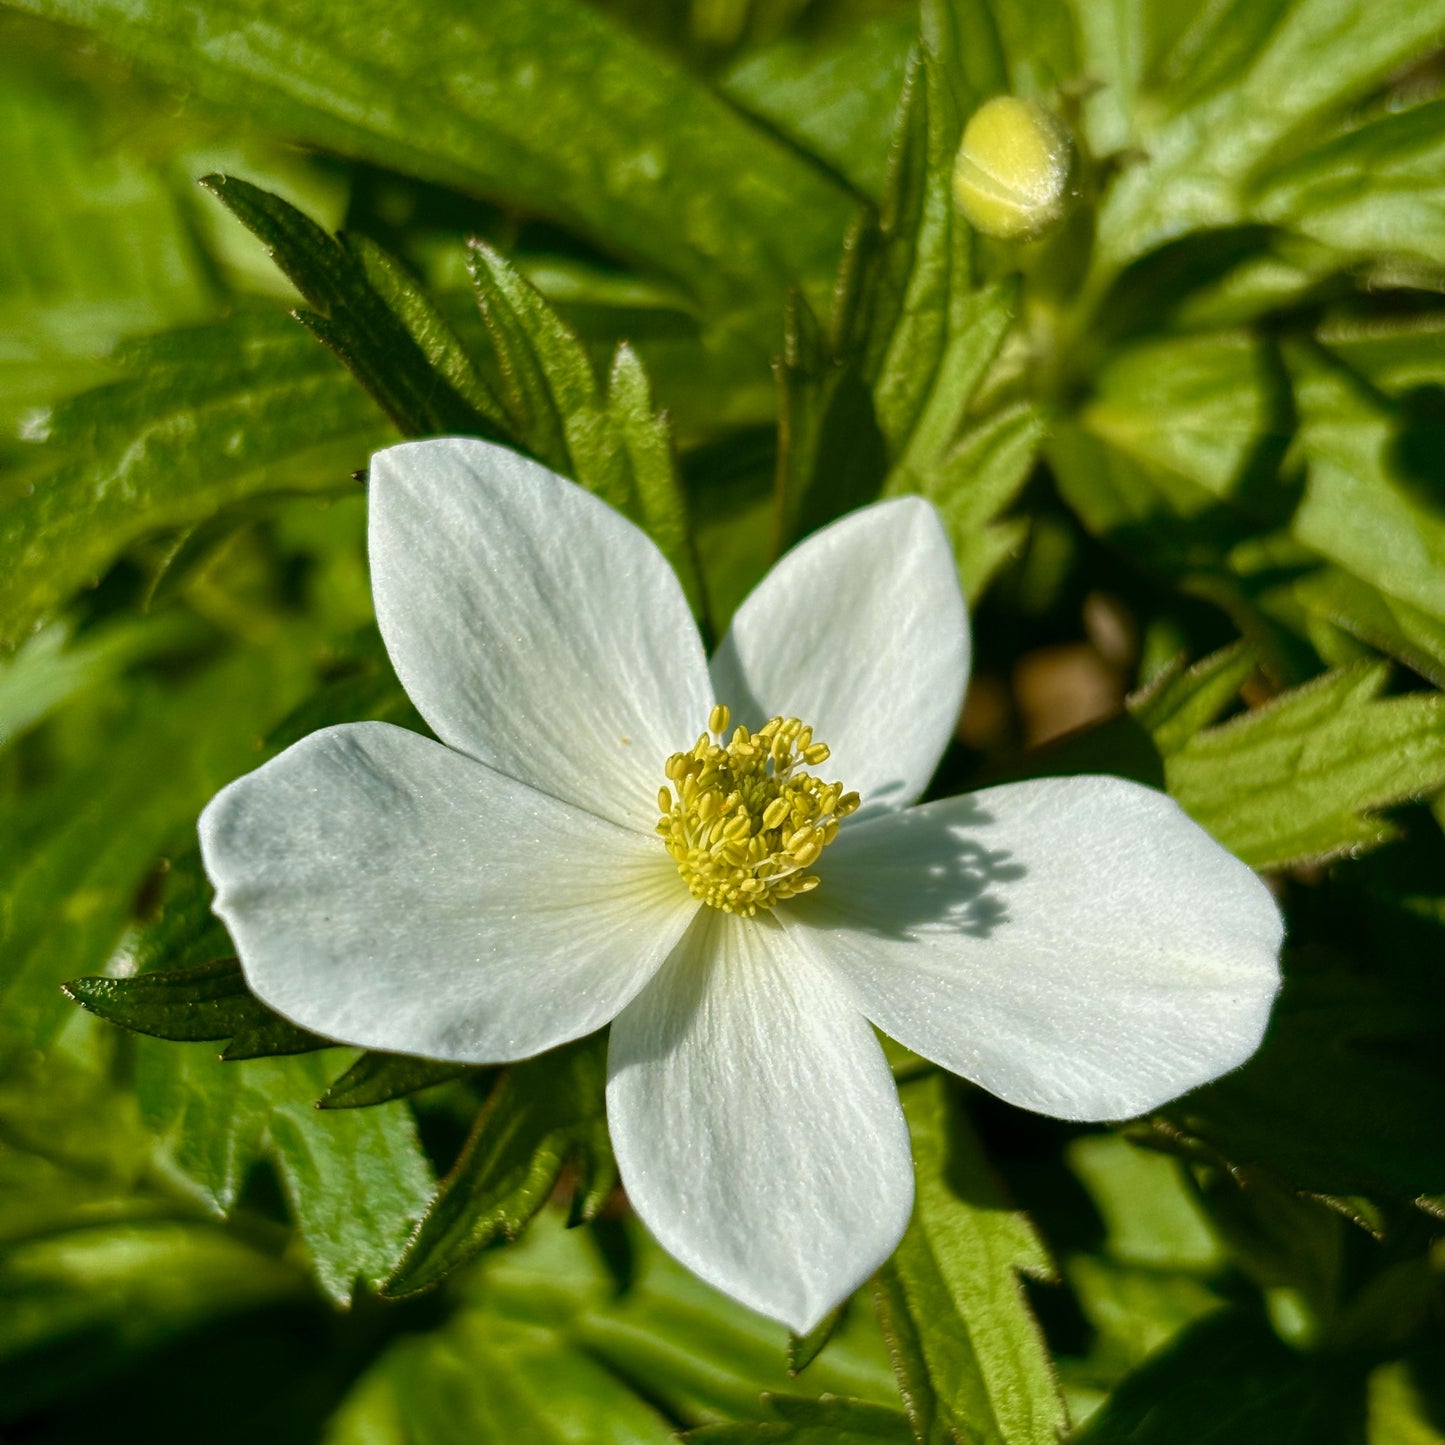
column 742, row 819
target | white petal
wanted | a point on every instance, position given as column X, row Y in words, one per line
column 533, row 626
column 756, row 1123
column 861, row 631
column 384, row 891
column 1077, row 946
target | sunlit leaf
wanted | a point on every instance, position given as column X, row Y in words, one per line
column 970, row 1359
column 612, row 137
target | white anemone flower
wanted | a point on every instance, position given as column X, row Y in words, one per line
column 591, row 842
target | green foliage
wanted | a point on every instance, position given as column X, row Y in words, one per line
column 541, row 1344
column 1300, row 778
column 970, row 1359
column 813, row 1422
column 1209, row 407
column 209, row 1001
column 398, row 363
column 545, row 1115
column 206, row 418
column 356, row 1181
column 377, row 1078
column 614, row 140
column 615, row 443
column 1229, row 1378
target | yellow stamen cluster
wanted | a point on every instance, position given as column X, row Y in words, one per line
column 742, row 820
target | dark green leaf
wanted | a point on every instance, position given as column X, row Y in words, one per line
column 813, row 1422
column 1343, row 1098
column 210, row 1001
column 545, row 1114
column 804, row 1349
column 970, row 1359
column 356, row 322
column 377, row 1078
column 1230, row 1378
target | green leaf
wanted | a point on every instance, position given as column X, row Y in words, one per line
column 614, row 443
column 1386, row 623
column 699, row 1355
column 1242, row 82
column 1401, row 1410
column 1151, row 1216
column 1371, row 497
column 827, row 1421
column 377, row 1078
column 206, row 417
column 545, row 1114
column 119, row 1290
column 831, row 454
column 409, row 376
column 53, row 667
column 603, row 134
column 970, row 1359
column 1302, row 777
column 1152, row 1275
column 919, row 310
column 1175, row 458
column 1374, row 190
column 880, row 401
column 804, row 1349
column 1229, row 1378
column 539, row 1344
column 973, row 481
column 1341, row 1099
column 1182, row 701
column 210, row 1001
column 99, row 243
column 832, row 90
column 73, row 859
column 356, row 1181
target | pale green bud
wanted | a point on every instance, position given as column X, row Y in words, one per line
column 1011, row 178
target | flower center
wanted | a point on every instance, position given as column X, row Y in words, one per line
column 742, row 820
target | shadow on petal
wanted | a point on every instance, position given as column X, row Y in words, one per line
column 918, row 872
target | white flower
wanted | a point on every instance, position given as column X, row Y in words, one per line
column 1076, row 946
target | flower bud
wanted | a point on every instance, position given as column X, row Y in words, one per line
column 1011, row 178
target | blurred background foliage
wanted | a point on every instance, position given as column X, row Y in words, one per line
column 703, row 258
